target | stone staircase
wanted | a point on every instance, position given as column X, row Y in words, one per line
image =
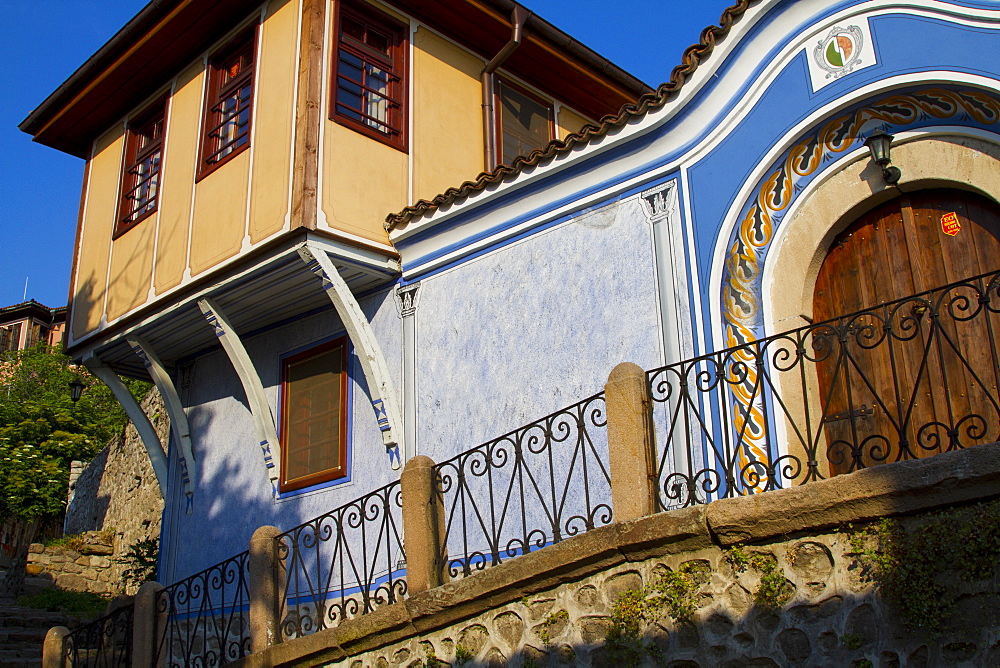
column 22, row 632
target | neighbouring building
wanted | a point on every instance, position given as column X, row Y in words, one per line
column 25, row 324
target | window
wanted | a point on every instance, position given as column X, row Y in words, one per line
column 230, row 100
column 525, row 122
column 370, row 91
column 313, row 416
column 10, row 337
column 140, row 187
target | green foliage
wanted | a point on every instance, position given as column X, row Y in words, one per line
column 463, row 654
column 42, row 431
column 64, row 600
column 140, row 559
column 431, row 656
column 550, row 620
column 773, row 590
column 852, row 640
column 674, row 594
column 72, row 541
column 915, row 568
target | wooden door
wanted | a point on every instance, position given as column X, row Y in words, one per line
column 915, row 377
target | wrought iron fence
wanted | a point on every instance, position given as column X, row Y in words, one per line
column 907, row 379
column 105, row 642
column 344, row 563
column 533, row 487
column 204, row 620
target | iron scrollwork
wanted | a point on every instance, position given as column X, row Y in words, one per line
column 907, row 379
column 344, row 563
column 105, row 642
column 535, row 486
column 203, row 620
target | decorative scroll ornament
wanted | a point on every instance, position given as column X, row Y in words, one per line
column 774, row 195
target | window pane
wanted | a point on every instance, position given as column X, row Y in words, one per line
column 524, row 122
column 369, row 89
column 312, row 432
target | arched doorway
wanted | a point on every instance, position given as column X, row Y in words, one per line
column 910, row 377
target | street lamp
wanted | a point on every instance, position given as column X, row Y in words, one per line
column 879, row 143
column 76, row 389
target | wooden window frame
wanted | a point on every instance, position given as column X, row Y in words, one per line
column 327, row 475
column 396, row 64
column 498, row 113
column 134, row 157
column 216, row 91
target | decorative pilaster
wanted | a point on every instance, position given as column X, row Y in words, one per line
column 407, row 299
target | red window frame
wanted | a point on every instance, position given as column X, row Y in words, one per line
column 289, row 395
column 498, row 106
column 228, row 119
column 139, row 194
column 357, row 91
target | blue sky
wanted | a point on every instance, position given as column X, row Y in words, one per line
column 43, row 42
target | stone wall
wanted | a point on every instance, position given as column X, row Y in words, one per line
column 117, row 492
column 782, row 578
column 833, row 618
column 82, row 565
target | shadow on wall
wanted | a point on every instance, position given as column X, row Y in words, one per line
column 897, row 565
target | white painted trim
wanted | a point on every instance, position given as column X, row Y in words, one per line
column 114, row 223
column 366, row 345
column 246, row 244
column 260, row 410
column 157, row 457
column 78, row 249
column 175, row 410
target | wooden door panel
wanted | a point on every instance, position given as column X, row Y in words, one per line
column 909, row 391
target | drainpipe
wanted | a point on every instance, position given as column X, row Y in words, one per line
column 518, row 20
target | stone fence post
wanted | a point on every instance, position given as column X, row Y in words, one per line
column 631, row 443
column 267, row 589
column 147, row 625
column 52, row 648
column 423, row 525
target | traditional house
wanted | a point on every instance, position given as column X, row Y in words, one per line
column 241, row 161
column 797, row 238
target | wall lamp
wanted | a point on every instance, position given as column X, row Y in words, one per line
column 880, row 144
column 76, row 389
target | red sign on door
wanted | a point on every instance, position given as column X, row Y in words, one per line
column 950, row 224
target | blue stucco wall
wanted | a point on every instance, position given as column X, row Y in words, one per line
column 536, row 325
column 233, row 494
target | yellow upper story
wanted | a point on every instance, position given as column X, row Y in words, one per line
column 305, row 114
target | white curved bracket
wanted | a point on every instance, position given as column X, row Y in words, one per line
column 178, row 419
column 254, row 389
column 147, row 434
column 369, row 353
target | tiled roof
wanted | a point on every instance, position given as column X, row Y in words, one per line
column 694, row 55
